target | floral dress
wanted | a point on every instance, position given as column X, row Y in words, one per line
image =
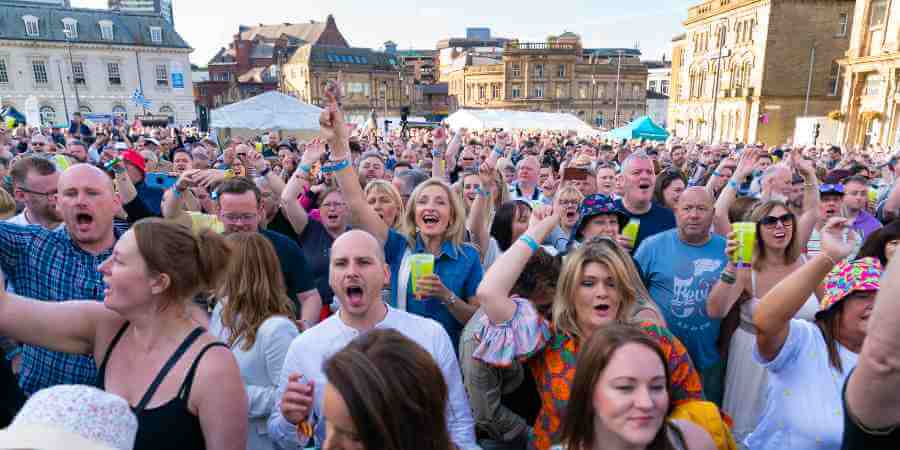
column 551, row 356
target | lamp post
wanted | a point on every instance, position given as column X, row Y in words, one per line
column 618, row 79
column 723, row 26
column 68, row 35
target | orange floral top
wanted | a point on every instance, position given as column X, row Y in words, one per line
column 551, row 357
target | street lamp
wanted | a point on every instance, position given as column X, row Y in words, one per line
column 618, row 79
column 68, row 34
column 723, row 30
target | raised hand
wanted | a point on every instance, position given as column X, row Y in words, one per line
column 834, row 245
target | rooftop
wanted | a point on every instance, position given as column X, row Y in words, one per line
column 128, row 28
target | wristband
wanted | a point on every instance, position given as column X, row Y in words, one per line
column 716, row 173
column 13, row 353
column 336, row 167
column 436, row 153
column 306, row 168
column 498, row 150
column 265, row 171
column 732, row 184
column 727, row 277
column 482, row 192
column 176, row 192
column 450, row 300
column 530, row 242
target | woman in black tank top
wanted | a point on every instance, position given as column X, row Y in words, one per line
column 143, row 328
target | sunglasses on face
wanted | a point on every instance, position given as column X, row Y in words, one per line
column 785, row 220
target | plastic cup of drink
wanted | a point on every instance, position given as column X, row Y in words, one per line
column 631, row 230
column 745, row 233
column 421, row 265
column 873, row 196
column 259, row 147
column 62, row 163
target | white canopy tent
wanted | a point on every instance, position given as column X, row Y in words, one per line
column 479, row 119
column 269, row 111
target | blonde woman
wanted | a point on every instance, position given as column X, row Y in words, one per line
column 383, row 197
column 434, row 222
column 565, row 205
column 253, row 318
column 594, row 291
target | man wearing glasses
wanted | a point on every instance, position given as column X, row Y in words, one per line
column 35, row 185
column 38, row 144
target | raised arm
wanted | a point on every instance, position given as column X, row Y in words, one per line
column 873, row 390
column 493, row 292
column 290, row 204
column 173, row 204
column 438, row 153
column 729, row 193
column 782, row 302
column 728, row 289
column 810, row 198
column 334, row 131
column 477, row 222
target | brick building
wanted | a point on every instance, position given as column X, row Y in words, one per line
column 768, row 49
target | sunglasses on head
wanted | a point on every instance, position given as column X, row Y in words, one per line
column 785, row 220
column 831, row 189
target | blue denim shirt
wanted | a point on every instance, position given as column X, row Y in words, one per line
column 459, row 268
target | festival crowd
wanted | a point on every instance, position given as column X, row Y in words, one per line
column 464, row 289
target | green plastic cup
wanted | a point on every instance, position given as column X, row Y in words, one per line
column 631, row 229
column 745, row 233
column 421, row 265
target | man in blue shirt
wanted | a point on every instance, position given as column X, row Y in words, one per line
column 639, row 179
column 680, row 267
column 59, row 265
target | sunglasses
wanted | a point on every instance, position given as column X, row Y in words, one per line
column 786, row 220
column 831, row 189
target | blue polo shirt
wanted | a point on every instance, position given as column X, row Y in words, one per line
column 459, row 268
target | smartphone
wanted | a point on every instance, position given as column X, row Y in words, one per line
column 575, row 173
column 160, row 180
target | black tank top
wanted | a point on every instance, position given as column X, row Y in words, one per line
column 170, row 426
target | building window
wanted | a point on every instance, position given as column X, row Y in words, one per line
column 32, row 28
column 156, row 34
column 601, row 90
column 833, row 79
column 166, row 111
column 874, row 84
column 539, row 71
column 842, row 24
column 636, row 91
column 878, row 10
column 652, row 85
column 106, row 30
column 70, row 28
column 162, row 75
column 562, row 92
column 115, row 79
column 495, row 90
column 664, row 87
column 539, row 91
column 48, row 116
column 84, row 109
column 481, row 91
column 4, row 72
column 78, row 73
column 515, row 92
column 515, row 70
column 561, row 71
column 39, row 67
column 583, row 90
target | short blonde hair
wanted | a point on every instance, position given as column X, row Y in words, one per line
column 383, row 187
column 456, row 227
column 602, row 251
column 7, row 205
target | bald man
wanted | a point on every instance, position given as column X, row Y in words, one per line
column 60, row 265
column 680, row 266
column 357, row 273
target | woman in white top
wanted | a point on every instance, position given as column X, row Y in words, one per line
column 808, row 363
column 252, row 317
column 776, row 255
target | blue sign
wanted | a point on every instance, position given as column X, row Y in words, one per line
column 178, row 80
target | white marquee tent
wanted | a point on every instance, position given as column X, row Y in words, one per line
column 269, row 111
column 479, row 119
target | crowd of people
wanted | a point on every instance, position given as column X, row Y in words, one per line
column 167, row 291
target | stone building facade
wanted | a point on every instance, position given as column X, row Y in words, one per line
column 772, row 53
column 555, row 76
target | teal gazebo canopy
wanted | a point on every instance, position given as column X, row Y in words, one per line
column 641, row 128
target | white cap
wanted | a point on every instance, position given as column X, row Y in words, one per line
column 72, row 417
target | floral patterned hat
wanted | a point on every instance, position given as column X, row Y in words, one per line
column 594, row 205
column 862, row 275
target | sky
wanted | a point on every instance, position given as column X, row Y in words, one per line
column 208, row 25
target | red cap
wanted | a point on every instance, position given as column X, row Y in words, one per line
column 135, row 158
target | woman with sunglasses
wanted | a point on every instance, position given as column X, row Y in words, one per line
column 776, row 254
column 595, row 291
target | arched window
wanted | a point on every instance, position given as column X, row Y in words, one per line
column 166, row 110
column 85, row 109
column 48, row 116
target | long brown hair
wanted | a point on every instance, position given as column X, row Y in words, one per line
column 760, row 211
column 255, row 288
column 829, row 324
column 192, row 263
column 578, row 420
column 394, row 391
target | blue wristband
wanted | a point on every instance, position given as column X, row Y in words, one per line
column 528, row 240
column 498, row 150
column 13, row 353
column 306, row 168
column 176, row 192
column 733, row 184
column 336, row 167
